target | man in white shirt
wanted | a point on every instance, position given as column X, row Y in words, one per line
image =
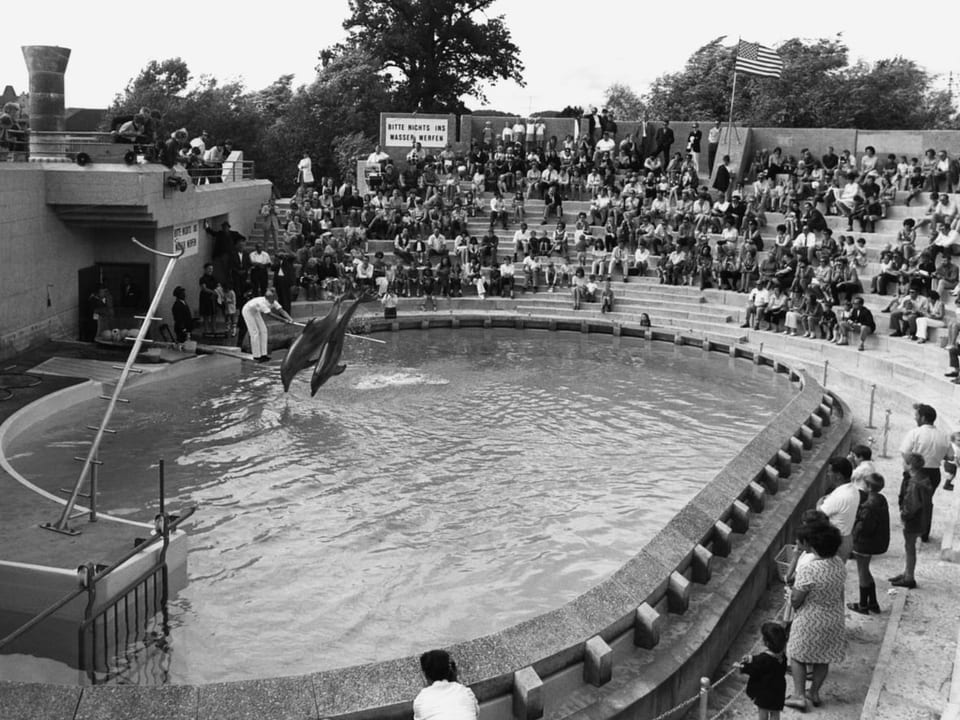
column 259, row 265
column 840, row 506
column 201, row 142
column 713, row 142
column 934, row 445
column 531, row 269
column 521, row 240
column 253, row 312
column 506, row 277
column 519, row 132
column 861, row 458
column 437, row 244
column 378, row 156
column 757, row 300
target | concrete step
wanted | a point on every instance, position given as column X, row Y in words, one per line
column 657, row 320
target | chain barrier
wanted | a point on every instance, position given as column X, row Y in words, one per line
column 714, row 685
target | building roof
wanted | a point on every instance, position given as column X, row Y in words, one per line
column 83, row 119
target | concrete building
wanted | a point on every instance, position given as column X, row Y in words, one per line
column 65, row 227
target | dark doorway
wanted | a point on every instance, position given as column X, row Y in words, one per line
column 128, row 287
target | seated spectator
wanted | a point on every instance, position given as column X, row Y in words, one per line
column 931, row 317
column 606, row 297
column 860, row 321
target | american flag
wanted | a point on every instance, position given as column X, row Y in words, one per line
column 757, row 59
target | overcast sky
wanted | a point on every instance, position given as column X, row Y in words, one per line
column 572, row 50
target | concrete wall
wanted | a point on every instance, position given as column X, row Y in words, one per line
column 36, row 249
column 911, row 143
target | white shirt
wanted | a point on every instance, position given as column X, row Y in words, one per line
column 261, row 305
column 306, row 169
column 445, row 700
column 605, row 145
column 259, row 258
column 713, row 137
column 841, row 507
column 506, row 270
column 928, row 441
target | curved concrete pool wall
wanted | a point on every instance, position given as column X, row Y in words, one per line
column 635, row 645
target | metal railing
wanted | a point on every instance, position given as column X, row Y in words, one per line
column 90, row 574
column 84, row 148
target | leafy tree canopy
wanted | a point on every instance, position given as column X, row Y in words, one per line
column 440, row 50
column 818, row 88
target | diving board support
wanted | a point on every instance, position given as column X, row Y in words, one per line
column 92, row 461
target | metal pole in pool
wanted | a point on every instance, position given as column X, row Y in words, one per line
column 62, row 523
column 160, row 473
column 704, row 697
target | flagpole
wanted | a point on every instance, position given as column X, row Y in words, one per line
column 733, row 93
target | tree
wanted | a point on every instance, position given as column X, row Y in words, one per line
column 160, row 85
column 816, row 89
column 443, row 50
column 623, row 103
column 346, row 98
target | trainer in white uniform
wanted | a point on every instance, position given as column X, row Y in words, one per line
column 253, row 312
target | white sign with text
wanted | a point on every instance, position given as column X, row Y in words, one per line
column 187, row 237
column 402, row 132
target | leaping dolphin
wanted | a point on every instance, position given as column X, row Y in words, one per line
column 308, row 347
column 327, row 366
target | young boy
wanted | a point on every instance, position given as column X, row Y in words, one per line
column 606, row 297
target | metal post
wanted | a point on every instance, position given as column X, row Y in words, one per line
column 826, row 364
column 94, row 481
column 873, row 395
column 160, row 473
column 886, row 432
column 62, row 524
column 704, row 697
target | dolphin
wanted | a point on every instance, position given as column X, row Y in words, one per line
column 308, row 346
column 327, row 365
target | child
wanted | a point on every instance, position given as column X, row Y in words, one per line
column 230, row 310
column 389, row 302
column 767, row 686
column 606, row 297
column 519, row 210
column 950, row 467
column 871, row 536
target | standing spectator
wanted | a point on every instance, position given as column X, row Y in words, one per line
column 713, row 142
column 723, row 181
column 172, row 148
column 693, row 145
column 305, row 171
column 444, row 698
column 259, row 269
column 283, row 279
column 871, row 536
column 916, row 504
column 817, row 635
column 933, row 446
column 208, row 299
column 182, row 317
column 840, row 506
column 664, row 139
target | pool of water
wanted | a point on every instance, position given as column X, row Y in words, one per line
column 448, row 484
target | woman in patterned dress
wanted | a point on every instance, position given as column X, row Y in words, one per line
column 817, row 636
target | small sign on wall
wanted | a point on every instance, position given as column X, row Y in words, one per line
column 404, row 131
column 187, row 237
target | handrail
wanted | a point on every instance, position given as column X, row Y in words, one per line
column 96, row 577
column 62, row 523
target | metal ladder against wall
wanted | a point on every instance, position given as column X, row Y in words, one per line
column 92, row 461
